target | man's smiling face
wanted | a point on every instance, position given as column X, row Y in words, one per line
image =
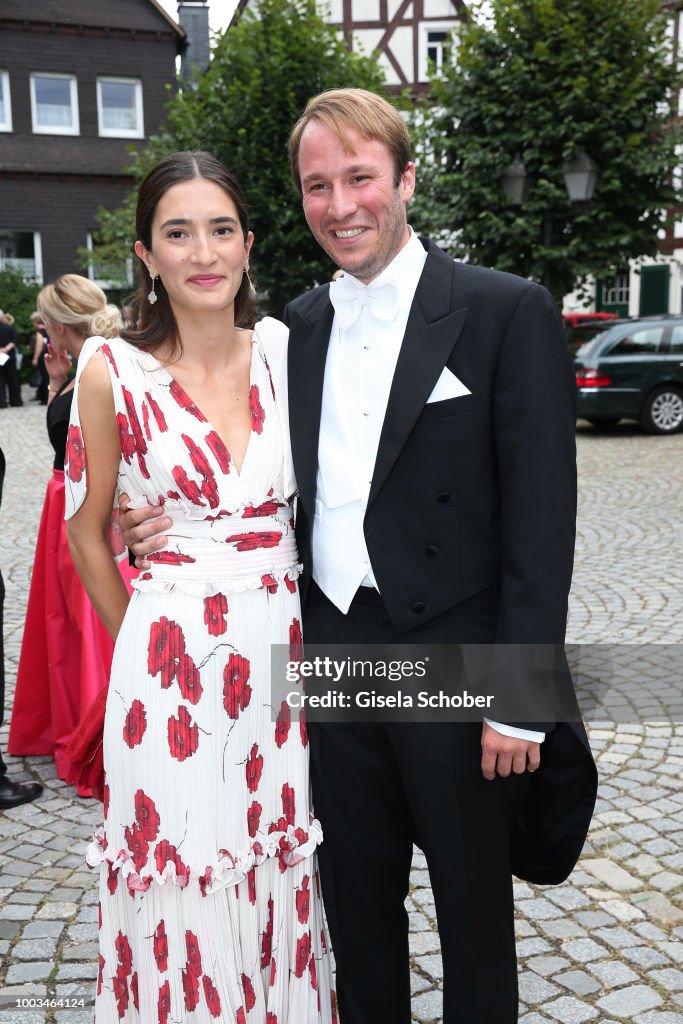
column 351, row 201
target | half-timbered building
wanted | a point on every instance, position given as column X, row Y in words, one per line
column 404, row 35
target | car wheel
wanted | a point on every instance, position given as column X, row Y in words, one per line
column 603, row 421
column 663, row 411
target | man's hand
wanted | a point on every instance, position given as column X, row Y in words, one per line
column 504, row 754
column 142, row 529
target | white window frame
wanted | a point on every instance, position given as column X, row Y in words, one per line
column 75, row 128
column 121, row 133
column 108, row 282
column 37, row 274
column 38, row 256
column 6, row 125
column 425, row 28
column 616, row 290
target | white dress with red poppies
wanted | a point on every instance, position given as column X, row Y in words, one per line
column 209, row 894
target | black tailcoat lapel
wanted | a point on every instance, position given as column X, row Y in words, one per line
column 431, row 332
column 309, row 341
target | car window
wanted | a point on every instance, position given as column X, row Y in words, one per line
column 638, row 341
column 582, row 335
column 676, row 343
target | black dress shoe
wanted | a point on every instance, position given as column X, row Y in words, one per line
column 12, row 794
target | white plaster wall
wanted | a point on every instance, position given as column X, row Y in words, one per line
column 331, row 11
column 633, row 290
column 366, row 39
column 438, row 9
column 365, row 10
column 388, row 69
column 573, row 304
column 676, row 297
column 393, row 6
column 675, row 283
column 401, row 45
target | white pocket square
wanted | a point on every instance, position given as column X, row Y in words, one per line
column 448, row 386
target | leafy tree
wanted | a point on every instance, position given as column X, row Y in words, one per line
column 549, row 79
column 18, row 297
column 262, row 73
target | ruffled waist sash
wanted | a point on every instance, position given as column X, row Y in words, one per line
column 227, row 553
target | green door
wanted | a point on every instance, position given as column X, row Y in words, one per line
column 654, row 290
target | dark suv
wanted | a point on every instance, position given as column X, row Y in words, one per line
column 633, row 370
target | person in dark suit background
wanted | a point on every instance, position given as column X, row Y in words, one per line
column 12, row 794
column 9, row 372
column 432, row 417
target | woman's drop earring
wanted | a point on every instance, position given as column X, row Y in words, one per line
column 252, row 290
column 152, row 297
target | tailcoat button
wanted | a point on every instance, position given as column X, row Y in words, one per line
column 432, row 549
column 418, row 606
column 443, row 497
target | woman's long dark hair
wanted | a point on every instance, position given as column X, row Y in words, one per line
column 155, row 324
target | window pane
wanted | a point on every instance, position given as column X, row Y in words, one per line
column 17, row 251
column 53, row 102
column 437, row 48
column 616, row 290
column 2, row 99
column 677, row 339
column 638, row 343
column 118, row 106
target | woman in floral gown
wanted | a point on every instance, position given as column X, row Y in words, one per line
column 209, row 896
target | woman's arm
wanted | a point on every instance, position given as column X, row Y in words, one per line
column 88, row 528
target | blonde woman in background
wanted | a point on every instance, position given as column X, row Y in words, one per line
column 66, row 652
column 40, row 342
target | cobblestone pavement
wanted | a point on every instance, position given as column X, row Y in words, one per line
column 607, row 946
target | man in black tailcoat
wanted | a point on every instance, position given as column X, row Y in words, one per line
column 432, row 418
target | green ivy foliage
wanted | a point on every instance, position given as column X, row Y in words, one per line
column 548, row 79
column 261, row 75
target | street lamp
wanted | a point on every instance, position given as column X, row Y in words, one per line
column 580, row 178
column 516, row 182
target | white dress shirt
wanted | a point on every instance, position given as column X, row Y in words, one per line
column 365, row 341
column 361, row 361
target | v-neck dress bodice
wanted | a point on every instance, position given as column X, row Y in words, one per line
column 230, row 528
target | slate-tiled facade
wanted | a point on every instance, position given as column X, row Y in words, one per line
column 52, row 184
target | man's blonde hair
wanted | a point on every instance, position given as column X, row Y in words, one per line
column 366, row 112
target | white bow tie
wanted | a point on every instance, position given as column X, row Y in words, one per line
column 348, row 297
